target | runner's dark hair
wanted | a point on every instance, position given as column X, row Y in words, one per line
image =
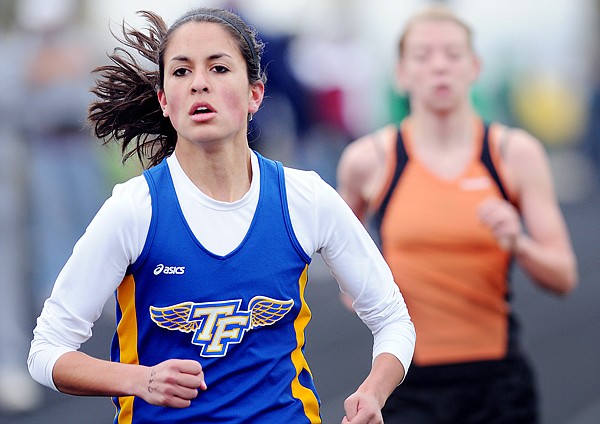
column 127, row 110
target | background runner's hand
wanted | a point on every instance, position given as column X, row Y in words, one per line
column 502, row 218
column 173, row 383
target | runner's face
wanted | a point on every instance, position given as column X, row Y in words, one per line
column 437, row 67
column 206, row 91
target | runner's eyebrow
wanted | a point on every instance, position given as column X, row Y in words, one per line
column 183, row 58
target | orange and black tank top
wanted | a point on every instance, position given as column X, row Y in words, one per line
column 450, row 269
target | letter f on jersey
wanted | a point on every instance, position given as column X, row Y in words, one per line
column 218, row 324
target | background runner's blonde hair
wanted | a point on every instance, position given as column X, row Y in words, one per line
column 434, row 13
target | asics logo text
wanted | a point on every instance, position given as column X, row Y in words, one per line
column 169, row 270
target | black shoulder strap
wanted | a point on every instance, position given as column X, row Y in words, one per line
column 401, row 160
column 486, row 159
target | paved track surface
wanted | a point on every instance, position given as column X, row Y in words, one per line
column 562, row 337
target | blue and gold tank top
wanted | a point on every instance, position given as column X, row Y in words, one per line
column 242, row 316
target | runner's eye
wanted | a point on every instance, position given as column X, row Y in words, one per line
column 220, row 69
column 180, row 72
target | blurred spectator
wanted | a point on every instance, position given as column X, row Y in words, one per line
column 18, row 392
column 285, row 117
column 591, row 137
column 334, row 68
column 66, row 177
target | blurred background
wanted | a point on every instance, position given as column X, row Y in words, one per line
column 329, row 65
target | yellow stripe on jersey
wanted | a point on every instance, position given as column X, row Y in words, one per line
column 127, row 334
column 306, row 396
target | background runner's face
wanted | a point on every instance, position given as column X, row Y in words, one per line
column 437, row 66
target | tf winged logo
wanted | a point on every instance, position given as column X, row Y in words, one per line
column 216, row 325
